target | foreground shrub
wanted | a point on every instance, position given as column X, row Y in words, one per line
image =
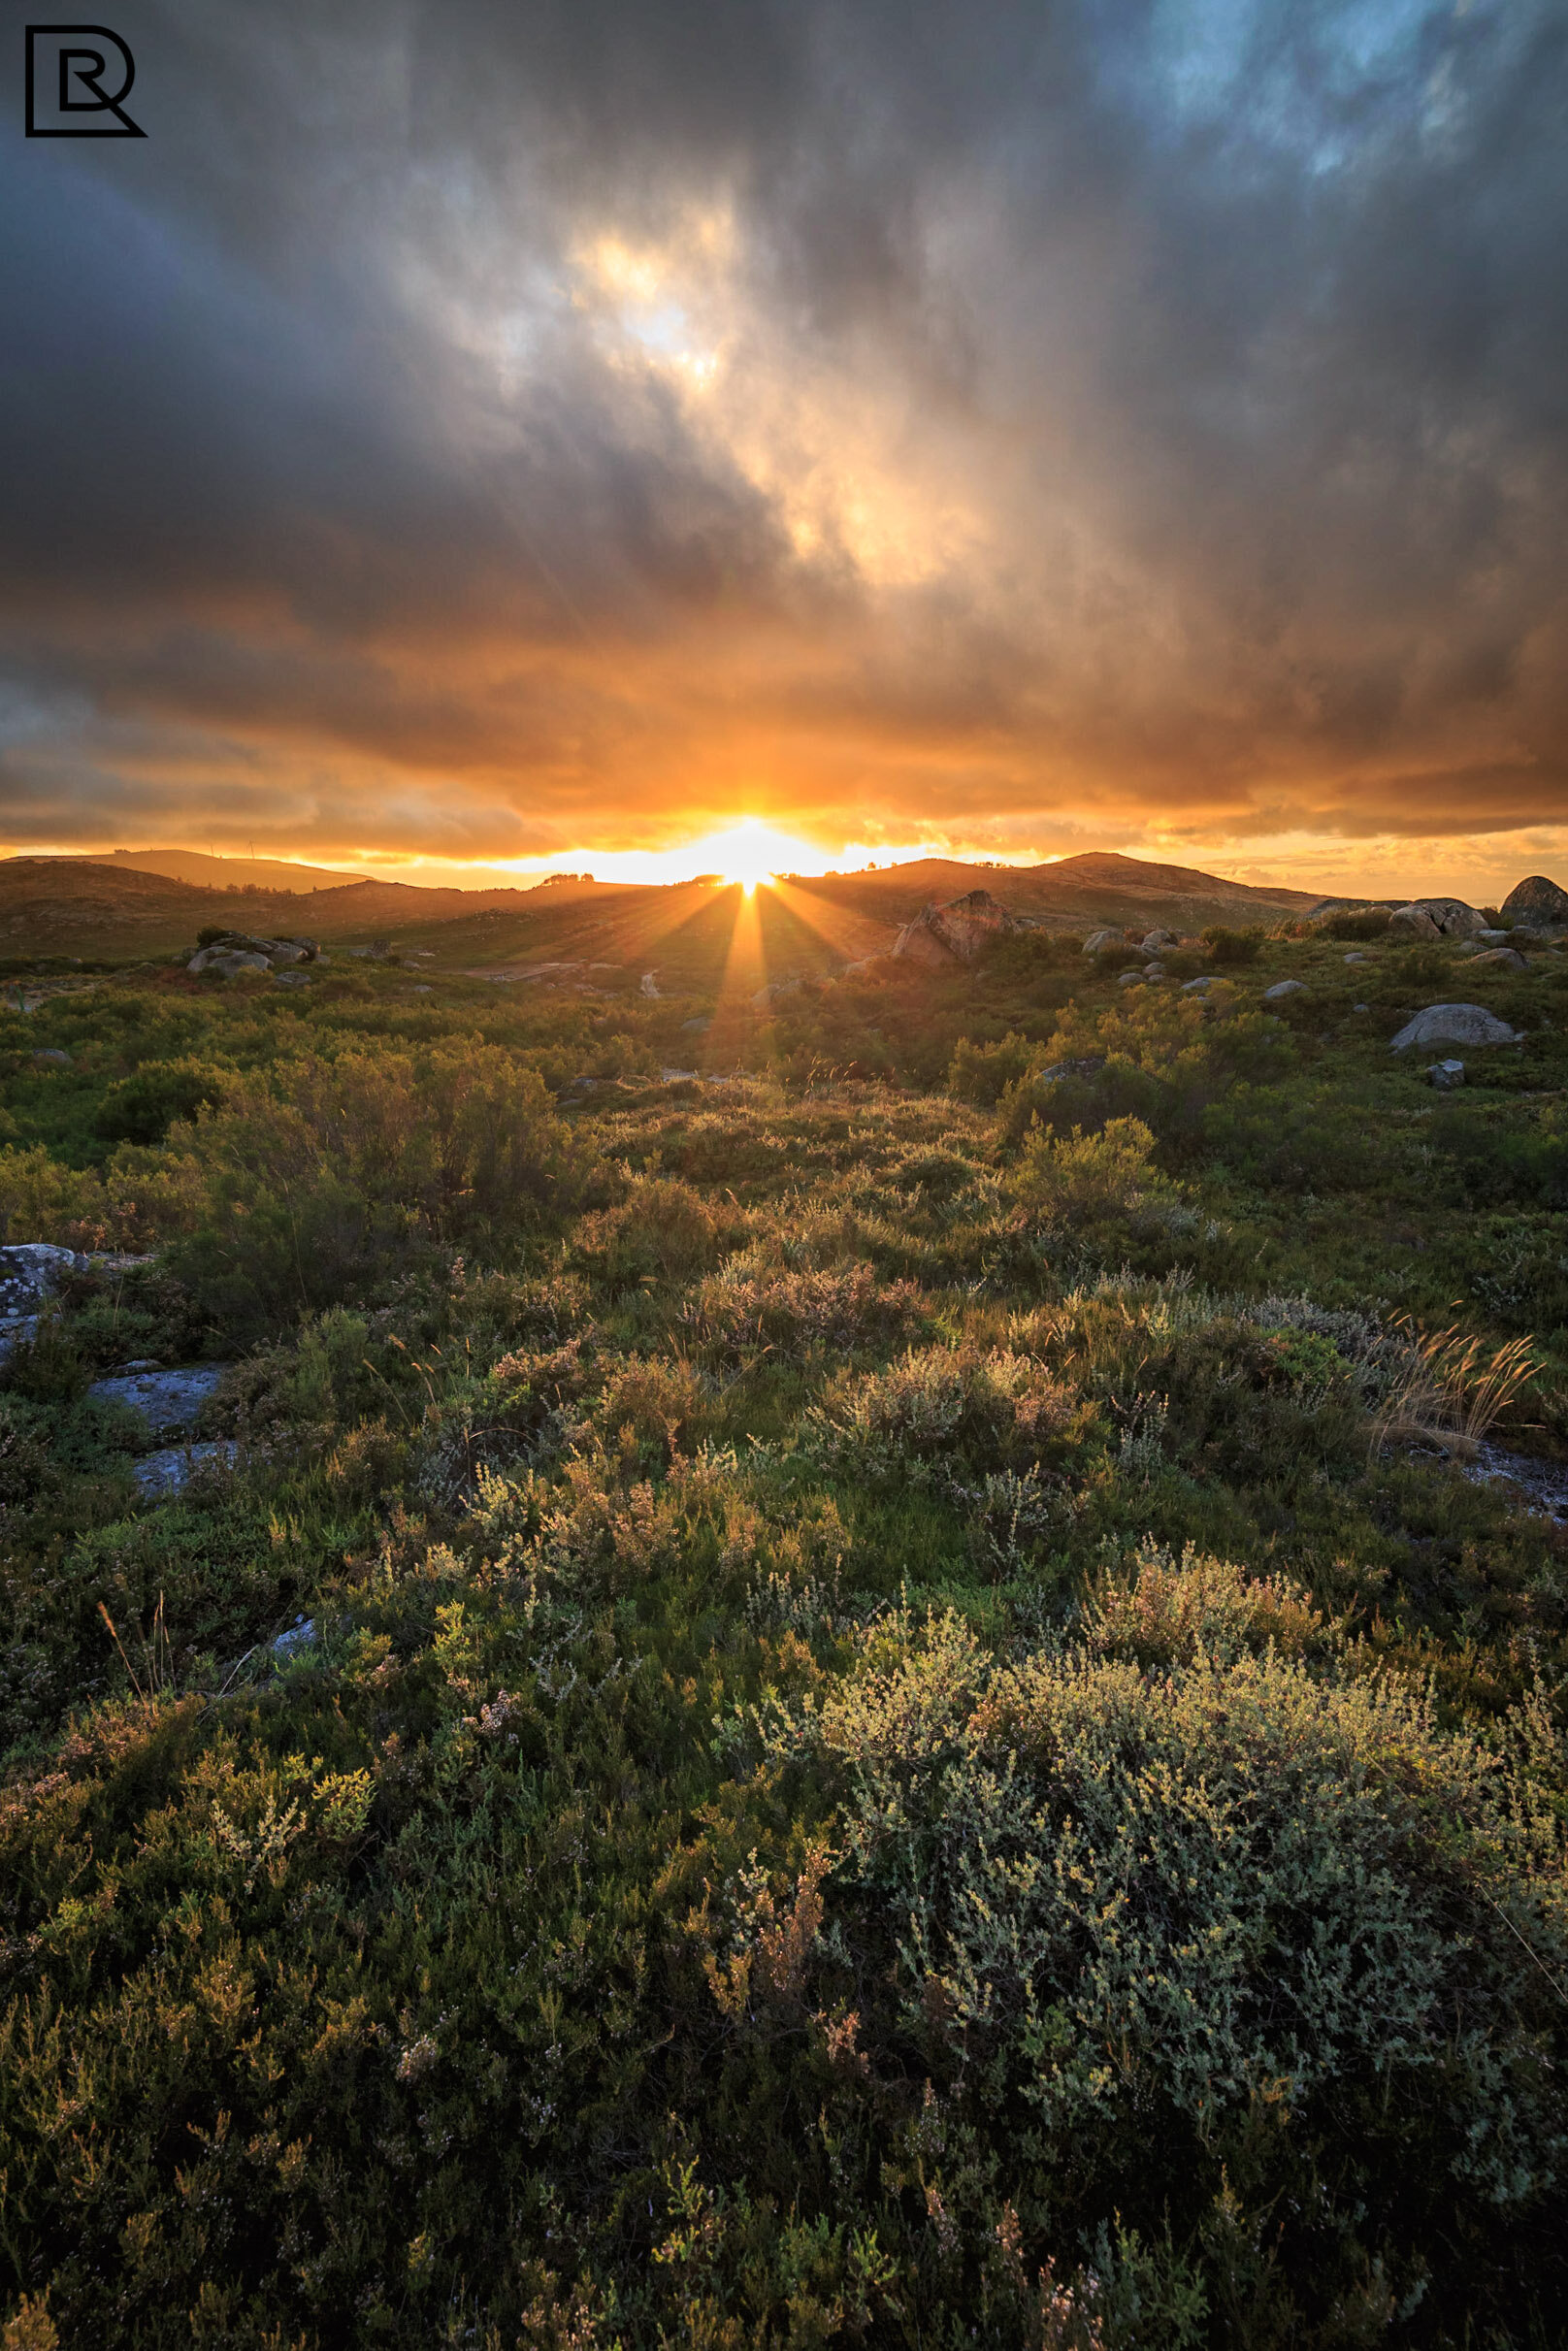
column 1136, row 1914
column 1094, row 1186
column 323, row 1171
column 662, row 1230
column 792, row 1311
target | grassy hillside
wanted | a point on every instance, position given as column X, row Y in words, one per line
column 908, row 1693
column 690, row 934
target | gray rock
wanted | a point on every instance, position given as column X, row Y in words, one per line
column 1446, row 1075
column 1099, row 941
column 673, row 1077
column 293, row 979
column 1281, row 989
column 29, row 1271
column 1500, row 959
column 1536, row 900
column 1132, row 979
column 169, row 1471
column 51, row 1057
column 1360, row 1008
column 1156, row 941
column 300, row 1636
column 1448, row 918
column 229, row 962
column 697, row 1028
column 770, row 994
column 651, row 983
column 1454, row 1025
column 941, row 936
column 1356, row 957
column 1201, row 984
column 168, row 1401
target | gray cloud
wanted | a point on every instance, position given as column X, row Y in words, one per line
column 1111, row 414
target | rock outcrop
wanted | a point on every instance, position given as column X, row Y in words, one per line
column 940, row 936
column 1536, row 900
column 29, row 1271
column 238, row 951
column 1454, row 1025
column 168, row 1401
column 1434, row 917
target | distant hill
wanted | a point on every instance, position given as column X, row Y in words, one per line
column 1071, row 891
column 694, row 933
column 204, row 871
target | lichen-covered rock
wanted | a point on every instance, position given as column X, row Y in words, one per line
column 1447, row 918
column 169, row 1471
column 168, row 1401
column 1536, row 900
column 940, row 936
column 1454, row 1025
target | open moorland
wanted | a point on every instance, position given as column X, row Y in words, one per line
column 715, row 1639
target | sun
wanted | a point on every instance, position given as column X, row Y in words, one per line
column 751, row 852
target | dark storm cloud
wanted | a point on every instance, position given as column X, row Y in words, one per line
column 1119, row 412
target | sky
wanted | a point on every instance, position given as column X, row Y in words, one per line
column 518, row 434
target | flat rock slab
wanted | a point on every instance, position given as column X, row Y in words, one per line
column 1454, row 1025
column 169, row 1472
column 1544, row 1483
column 167, row 1400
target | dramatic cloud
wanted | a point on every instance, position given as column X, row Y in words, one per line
column 492, row 430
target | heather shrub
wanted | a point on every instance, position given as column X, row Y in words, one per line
column 1139, row 1907
column 320, row 1174
column 141, row 1108
column 941, row 1415
column 791, row 1312
column 1092, row 1186
column 662, row 1230
column 1358, row 923
column 983, row 1073
column 1226, row 946
column 42, row 1200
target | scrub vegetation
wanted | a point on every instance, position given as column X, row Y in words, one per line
column 874, row 1697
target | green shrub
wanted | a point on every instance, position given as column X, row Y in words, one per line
column 142, row 1109
column 661, row 1230
column 1228, row 947
column 983, row 1073
column 1092, row 1186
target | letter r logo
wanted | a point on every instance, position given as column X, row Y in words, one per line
column 79, row 77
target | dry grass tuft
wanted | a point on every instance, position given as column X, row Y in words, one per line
column 1453, row 1391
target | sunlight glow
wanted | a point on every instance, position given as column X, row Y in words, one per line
column 751, row 852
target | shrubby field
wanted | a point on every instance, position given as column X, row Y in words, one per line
column 877, row 1703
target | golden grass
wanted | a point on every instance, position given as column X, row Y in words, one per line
column 1453, row 1389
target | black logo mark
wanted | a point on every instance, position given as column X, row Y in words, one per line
column 66, row 69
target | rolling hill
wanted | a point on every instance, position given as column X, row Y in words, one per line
column 697, row 933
